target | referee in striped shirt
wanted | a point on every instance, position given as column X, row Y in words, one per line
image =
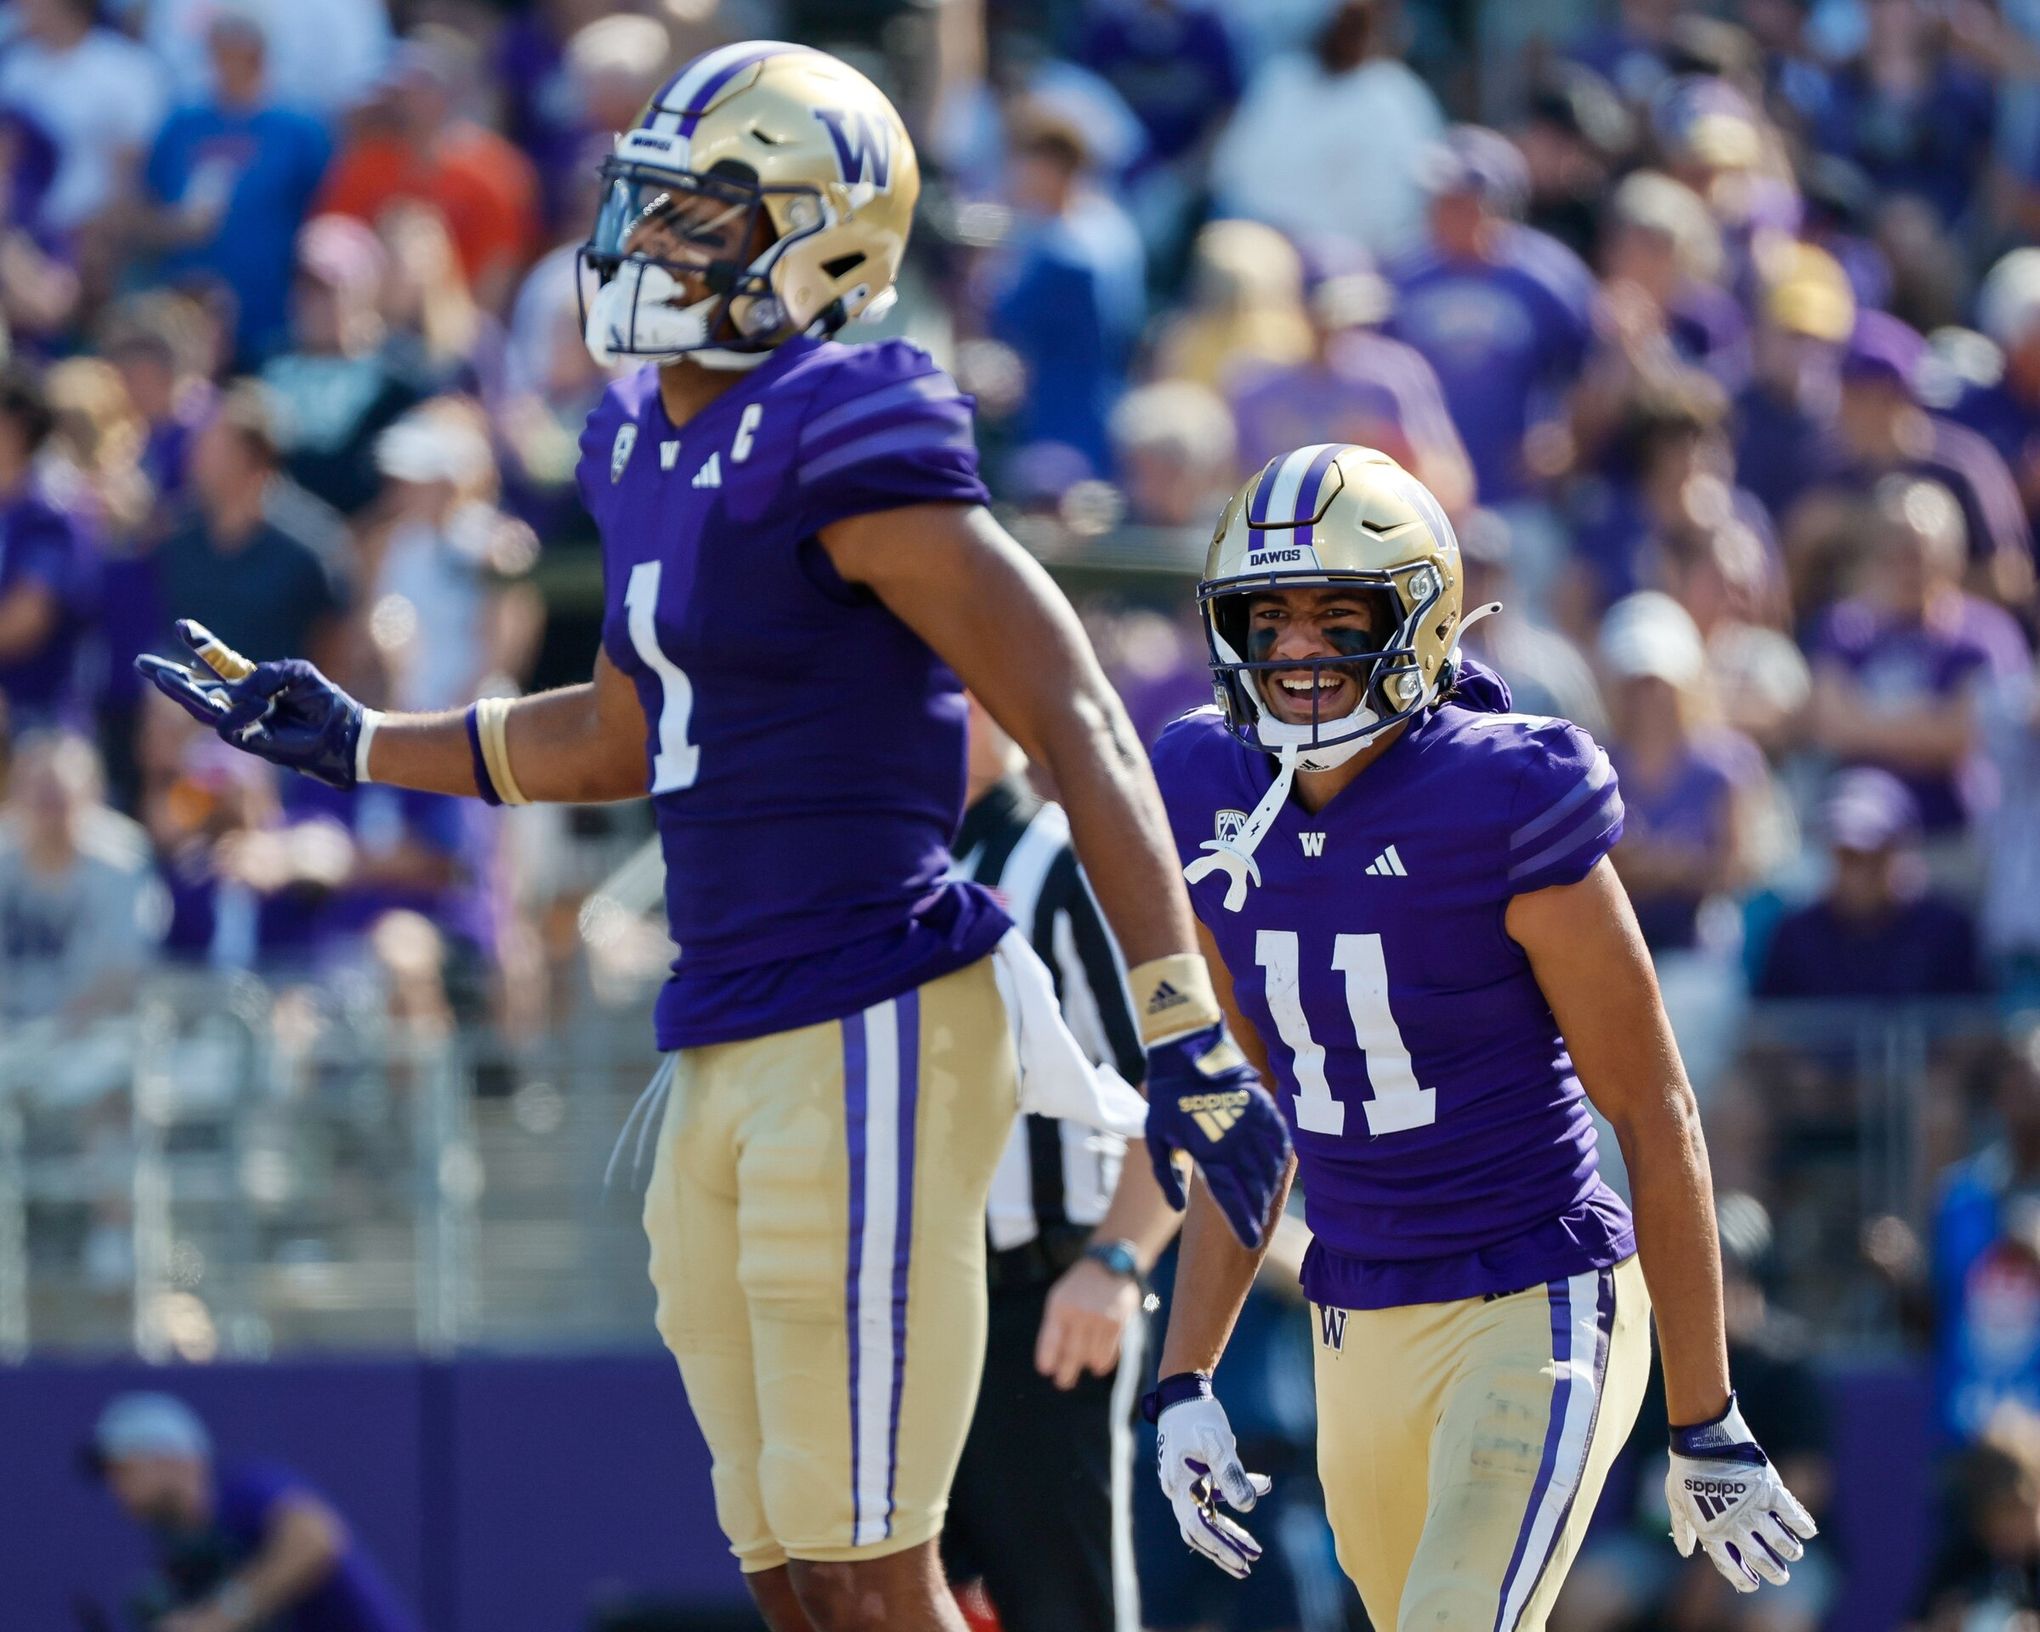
column 1041, row 1506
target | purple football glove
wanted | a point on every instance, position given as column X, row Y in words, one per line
column 1205, row 1099
column 285, row 712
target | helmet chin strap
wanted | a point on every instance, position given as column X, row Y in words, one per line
column 1235, row 858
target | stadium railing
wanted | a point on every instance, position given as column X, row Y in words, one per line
column 259, row 1182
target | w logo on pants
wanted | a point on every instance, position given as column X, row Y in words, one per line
column 1331, row 1327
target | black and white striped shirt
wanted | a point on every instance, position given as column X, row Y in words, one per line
column 1052, row 1173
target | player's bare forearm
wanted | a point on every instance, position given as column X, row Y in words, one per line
column 1214, row 1272
column 954, row 577
column 578, row 745
column 1592, row 966
column 1213, row 1269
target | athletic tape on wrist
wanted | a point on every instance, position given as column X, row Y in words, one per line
column 370, row 719
column 492, row 720
column 1172, row 997
column 477, row 759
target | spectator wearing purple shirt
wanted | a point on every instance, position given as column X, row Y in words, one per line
column 1883, row 430
column 45, row 565
column 1634, row 53
column 1175, row 63
column 1662, row 243
column 236, row 1545
column 1899, row 668
column 1917, row 121
column 1670, row 480
column 1502, row 313
column 2005, row 411
column 1876, row 932
column 1357, row 386
column 1785, row 416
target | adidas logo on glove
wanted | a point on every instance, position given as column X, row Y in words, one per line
column 1715, row 1497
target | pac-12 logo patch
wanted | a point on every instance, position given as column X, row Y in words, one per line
column 1230, row 825
column 619, row 452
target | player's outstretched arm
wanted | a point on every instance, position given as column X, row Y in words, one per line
column 1588, row 954
column 1197, row 1460
column 579, row 744
column 953, row 576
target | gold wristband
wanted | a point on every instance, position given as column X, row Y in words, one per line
column 492, row 726
column 1172, row 996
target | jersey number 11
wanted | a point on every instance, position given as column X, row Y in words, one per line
column 1398, row 1102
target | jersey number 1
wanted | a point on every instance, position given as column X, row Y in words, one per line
column 676, row 762
column 1398, row 1102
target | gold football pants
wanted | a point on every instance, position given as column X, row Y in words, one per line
column 1462, row 1446
column 816, row 1218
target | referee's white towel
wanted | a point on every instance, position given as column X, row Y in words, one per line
column 1056, row 1078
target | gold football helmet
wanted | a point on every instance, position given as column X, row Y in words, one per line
column 756, row 129
column 1327, row 515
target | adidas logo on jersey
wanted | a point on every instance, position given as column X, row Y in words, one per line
column 710, row 474
column 1387, row 865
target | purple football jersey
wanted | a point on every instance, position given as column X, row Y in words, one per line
column 1442, row 1137
column 805, row 749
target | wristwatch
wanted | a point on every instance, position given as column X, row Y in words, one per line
column 1117, row 1256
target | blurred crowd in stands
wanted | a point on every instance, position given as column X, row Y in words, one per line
column 1714, row 326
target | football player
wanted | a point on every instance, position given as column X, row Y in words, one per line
column 799, row 566
column 1405, row 892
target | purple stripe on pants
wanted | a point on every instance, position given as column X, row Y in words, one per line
column 908, row 1007
column 1561, row 1352
column 854, row 1090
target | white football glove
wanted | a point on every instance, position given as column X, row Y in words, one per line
column 1200, row 1466
column 1726, row 1496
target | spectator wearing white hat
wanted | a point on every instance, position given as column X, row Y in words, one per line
column 1694, row 791
column 2005, row 411
column 1174, row 449
column 449, row 612
column 236, row 1546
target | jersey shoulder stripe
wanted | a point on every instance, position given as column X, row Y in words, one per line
column 918, row 436
column 1597, row 777
column 882, row 404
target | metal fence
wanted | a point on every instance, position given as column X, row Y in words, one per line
column 212, row 1177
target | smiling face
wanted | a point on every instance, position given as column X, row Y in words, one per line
column 1308, row 626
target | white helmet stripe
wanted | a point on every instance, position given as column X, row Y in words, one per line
column 696, row 82
column 1276, row 503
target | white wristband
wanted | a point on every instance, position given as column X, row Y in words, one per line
column 370, row 719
